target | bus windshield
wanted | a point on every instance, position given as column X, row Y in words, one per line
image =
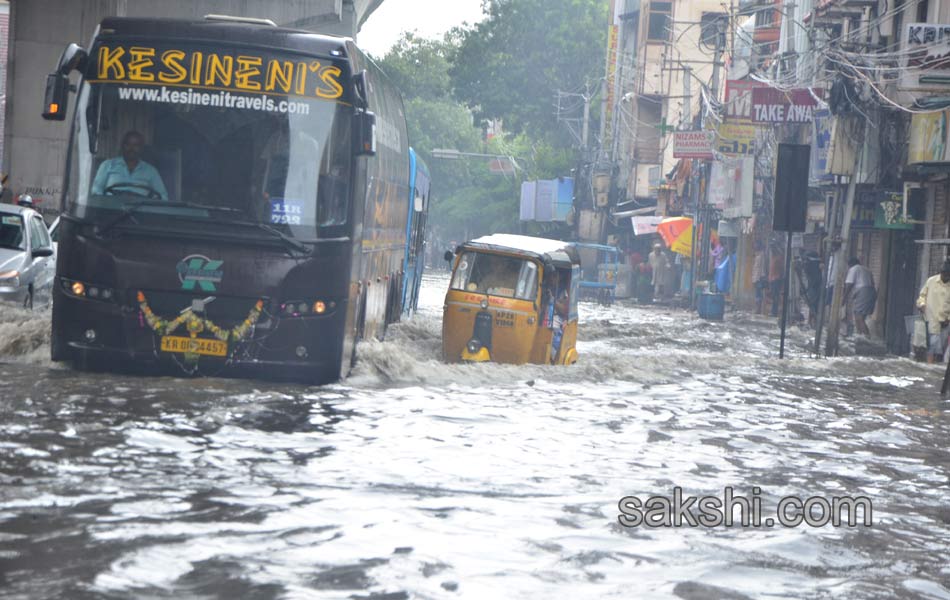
column 211, row 154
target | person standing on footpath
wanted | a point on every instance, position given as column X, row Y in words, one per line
column 661, row 266
column 860, row 291
column 760, row 277
column 934, row 303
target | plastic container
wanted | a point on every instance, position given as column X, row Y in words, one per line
column 711, row 306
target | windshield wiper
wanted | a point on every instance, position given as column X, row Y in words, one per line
column 129, row 210
column 291, row 242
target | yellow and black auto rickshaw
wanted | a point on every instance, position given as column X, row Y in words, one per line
column 512, row 299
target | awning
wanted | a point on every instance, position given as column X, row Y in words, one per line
column 631, row 213
column 645, row 225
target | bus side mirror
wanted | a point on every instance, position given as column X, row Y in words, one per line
column 56, row 100
column 365, row 129
column 448, row 255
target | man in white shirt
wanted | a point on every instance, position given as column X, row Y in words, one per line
column 860, row 291
column 934, row 302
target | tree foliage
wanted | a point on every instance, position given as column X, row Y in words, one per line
column 467, row 199
column 512, row 64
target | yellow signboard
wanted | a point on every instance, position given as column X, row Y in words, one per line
column 928, row 138
column 241, row 71
column 736, row 138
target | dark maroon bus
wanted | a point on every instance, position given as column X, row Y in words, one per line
column 234, row 199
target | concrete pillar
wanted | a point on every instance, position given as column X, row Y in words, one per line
column 34, row 149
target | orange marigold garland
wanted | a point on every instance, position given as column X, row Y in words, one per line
column 195, row 323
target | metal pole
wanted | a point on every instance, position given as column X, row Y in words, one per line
column 831, row 223
column 831, row 346
column 785, row 286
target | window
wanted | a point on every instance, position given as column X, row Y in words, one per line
column 39, row 236
column 496, row 275
column 660, row 22
column 11, row 232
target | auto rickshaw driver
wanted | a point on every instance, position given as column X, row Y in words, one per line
column 557, row 309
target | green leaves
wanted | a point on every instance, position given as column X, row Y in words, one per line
column 512, row 64
column 508, row 67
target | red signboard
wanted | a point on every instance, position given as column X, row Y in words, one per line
column 738, row 102
column 770, row 105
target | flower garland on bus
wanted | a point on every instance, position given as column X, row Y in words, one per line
column 195, row 324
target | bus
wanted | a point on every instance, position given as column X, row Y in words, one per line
column 414, row 262
column 234, row 199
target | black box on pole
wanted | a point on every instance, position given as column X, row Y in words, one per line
column 791, row 187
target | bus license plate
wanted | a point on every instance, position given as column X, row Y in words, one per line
column 194, row 346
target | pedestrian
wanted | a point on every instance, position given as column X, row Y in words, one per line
column 760, row 277
column 861, row 293
column 776, row 276
column 644, row 283
column 660, row 265
column 934, row 303
column 810, row 281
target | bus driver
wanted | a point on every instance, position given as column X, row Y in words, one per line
column 129, row 170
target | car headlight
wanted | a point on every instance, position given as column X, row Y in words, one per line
column 10, row 278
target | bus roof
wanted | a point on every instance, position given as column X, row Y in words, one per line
column 556, row 251
column 224, row 32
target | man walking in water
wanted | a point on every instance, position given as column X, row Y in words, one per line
column 934, row 302
column 861, row 293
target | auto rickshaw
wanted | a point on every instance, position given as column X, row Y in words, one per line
column 512, row 299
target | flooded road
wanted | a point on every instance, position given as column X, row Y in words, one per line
column 415, row 479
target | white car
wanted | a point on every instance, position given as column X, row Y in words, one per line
column 27, row 257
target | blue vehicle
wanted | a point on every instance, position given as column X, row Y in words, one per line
column 600, row 279
column 414, row 263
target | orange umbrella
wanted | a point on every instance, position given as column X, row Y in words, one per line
column 677, row 233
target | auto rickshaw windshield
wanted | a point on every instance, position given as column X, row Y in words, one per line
column 496, row 275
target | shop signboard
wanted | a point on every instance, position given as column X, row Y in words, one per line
column 925, row 57
column 694, row 144
column 770, row 105
column 889, row 212
column 928, row 138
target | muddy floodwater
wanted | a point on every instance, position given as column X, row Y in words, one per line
column 416, row 479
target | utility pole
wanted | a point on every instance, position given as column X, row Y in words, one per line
column 686, row 115
column 841, row 268
column 585, row 131
column 703, row 210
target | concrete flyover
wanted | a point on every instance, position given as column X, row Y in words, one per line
column 34, row 151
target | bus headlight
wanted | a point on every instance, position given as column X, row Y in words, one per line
column 306, row 308
column 79, row 289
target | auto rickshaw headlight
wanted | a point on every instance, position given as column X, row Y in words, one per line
column 474, row 346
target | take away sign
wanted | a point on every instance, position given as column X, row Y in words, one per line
column 770, row 105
